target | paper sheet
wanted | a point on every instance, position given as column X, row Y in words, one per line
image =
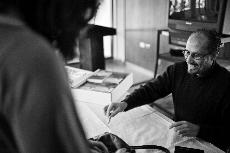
column 139, row 126
column 92, row 125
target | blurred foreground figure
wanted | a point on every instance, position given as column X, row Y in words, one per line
column 37, row 112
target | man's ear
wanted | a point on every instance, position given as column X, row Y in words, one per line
column 215, row 55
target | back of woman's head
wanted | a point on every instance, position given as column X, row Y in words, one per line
column 58, row 20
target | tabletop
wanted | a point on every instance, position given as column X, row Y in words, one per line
column 140, row 126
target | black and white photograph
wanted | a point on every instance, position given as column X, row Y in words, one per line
column 114, row 76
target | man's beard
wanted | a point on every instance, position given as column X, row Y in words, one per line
column 193, row 68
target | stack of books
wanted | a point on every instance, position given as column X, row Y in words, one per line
column 101, row 87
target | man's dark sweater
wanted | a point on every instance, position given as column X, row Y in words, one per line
column 204, row 101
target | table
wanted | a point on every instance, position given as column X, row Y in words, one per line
column 140, row 126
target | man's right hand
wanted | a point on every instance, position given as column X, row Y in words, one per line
column 114, row 108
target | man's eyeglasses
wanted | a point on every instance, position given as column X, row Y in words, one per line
column 196, row 56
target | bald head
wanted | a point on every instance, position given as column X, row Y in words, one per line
column 206, row 39
column 198, row 40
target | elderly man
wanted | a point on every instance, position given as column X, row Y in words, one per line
column 200, row 90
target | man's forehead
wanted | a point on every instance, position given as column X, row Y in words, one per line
column 198, row 41
column 198, row 36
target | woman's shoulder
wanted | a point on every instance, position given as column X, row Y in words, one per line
column 27, row 52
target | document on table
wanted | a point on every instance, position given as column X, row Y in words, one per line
column 92, row 125
column 139, row 126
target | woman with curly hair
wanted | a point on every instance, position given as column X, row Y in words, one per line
column 37, row 112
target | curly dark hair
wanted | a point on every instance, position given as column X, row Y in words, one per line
column 214, row 39
column 59, row 21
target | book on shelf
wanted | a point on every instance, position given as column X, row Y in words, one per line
column 101, row 87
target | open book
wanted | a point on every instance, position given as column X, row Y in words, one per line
column 77, row 76
column 101, row 87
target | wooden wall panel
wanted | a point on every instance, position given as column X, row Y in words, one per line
column 146, row 14
column 142, row 19
column 140, row 48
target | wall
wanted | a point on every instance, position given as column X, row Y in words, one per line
column 104, row 18
column 119, row 24
column 143, row 18
column 137, row 22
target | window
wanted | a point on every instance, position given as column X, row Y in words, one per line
column 104, row 18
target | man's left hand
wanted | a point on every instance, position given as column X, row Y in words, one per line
column 184, row 128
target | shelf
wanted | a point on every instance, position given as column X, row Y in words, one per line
column 224, row 62
column 169, row 57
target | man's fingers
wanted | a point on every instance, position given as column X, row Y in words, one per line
column 114, row 108
column 181, row 127
column 176, row 124
column 183, row 131
column 185, row 128
column 105, row 109
column 110, row 108
column 115, row 112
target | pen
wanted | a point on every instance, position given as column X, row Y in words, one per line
column 110, row 116
column 109, row 119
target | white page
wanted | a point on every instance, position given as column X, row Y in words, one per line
column 92, row 125
column 139, row 126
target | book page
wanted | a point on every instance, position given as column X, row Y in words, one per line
column 139, row 126
column 93, row 126
column 77, row 76
column 115, row 78
column 103, row 87
column 99, row 76
column 103, row 81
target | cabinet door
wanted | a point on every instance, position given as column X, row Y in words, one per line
column 141, row 48
column 162, row 65
column 146, row 14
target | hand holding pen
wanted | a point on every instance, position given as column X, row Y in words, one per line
column 114, row 108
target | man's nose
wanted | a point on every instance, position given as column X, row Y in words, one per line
column 189, row 59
